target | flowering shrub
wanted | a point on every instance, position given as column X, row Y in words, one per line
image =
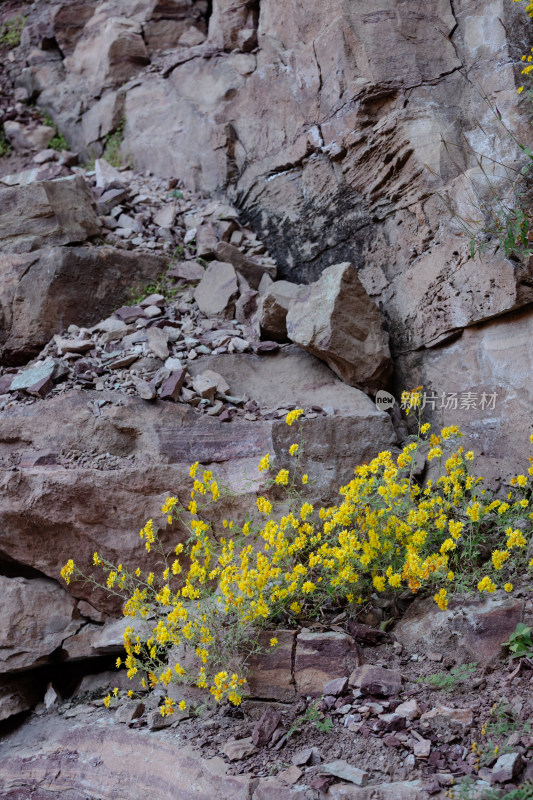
column 197, row 614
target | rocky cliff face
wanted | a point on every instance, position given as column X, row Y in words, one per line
column 295, row 142
column 341, row 130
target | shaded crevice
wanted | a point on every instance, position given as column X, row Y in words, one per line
column 293, row 659
column 14, row 569
column 454, row 13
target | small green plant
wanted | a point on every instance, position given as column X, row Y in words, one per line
column 161, row 285
column 11, row 31
column 495, row 732
column 446, row 681
column 520, row 643
column 468, row 789
column 58, row 142
column 312, row 716
column 5, row 147
column 113, row 146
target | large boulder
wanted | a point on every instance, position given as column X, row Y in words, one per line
column 473, row 630
column 46, row 213
column 47, row 290
column 275, row 303
column 110, row 52
column 37, row 615
column 337, row 321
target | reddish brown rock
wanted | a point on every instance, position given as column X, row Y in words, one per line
column 171, row 388
column 37, row 615
column 271, row 673
column 319, row 658
column 474, row 629
column 47, row 289
column 337, row 321
column 46, row 213
column 265, row 727
column 376, row 680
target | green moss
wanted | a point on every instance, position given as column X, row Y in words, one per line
column 113, row 146
column 11, row 31
column 5, row 147
column 58, row 142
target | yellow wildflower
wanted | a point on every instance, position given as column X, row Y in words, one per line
column 292, row 416
column 67, row 570
column 264, row 464
column 441, row 599
column 282, row 478
column 486, row 585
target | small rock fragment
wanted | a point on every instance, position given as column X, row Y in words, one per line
column 422, row 748
column 265, row 727
column 33, row 375
column 462, row 717
column 152, row 312
column 51, row 697
column 408, row 709
column 506, row 768
column 153, row 300
column 376, row 680
column 189, row 271
column 107, row 177
column 42, row 388
column 237, row 749
column 204, row 386
column 145, row 390
column 217, row 291
column 341, row 769
column 157, row 722
column 127, row 712
column 290, row 776
column 171, row 387
column 158, row 342
column 218, row 380
column 335, row 687
column 129, row 313
column 309, row 755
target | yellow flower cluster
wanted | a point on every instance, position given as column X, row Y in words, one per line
column 388, row 531
column 528, row 58
column 67, row 570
